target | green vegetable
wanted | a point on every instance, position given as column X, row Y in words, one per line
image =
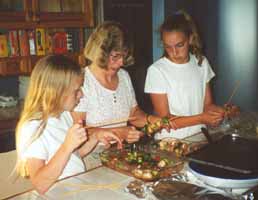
column 165, row 121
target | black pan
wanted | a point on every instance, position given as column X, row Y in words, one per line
column 230, row 154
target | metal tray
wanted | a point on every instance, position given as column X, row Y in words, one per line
column 232, row 156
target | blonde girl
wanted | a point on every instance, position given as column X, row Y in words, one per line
column 49, row 145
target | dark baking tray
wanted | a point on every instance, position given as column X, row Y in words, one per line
column 231, row 153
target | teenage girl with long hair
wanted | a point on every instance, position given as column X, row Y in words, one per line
column 179, row 82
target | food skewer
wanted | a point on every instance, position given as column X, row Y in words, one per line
column 151, row 128
column 233, row 92
column 111, row 122
column 190, row 136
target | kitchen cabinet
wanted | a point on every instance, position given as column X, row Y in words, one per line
column 47, row 13
column 42, row 17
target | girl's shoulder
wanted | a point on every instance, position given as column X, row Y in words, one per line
column 31, row 125
column 29, row 129
column 194, row 59
column 160, row 63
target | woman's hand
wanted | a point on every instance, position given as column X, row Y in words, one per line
column 107, row 137
column 133, row 135
column 76, row 135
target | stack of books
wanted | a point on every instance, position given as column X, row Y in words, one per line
column 39, row 42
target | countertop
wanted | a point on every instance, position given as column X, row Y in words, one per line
column 108, row 184
column 100, row 183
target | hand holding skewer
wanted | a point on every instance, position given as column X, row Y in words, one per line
column 230, row 109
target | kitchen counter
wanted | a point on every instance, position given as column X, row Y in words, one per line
column 105, row 183
column 100, row 183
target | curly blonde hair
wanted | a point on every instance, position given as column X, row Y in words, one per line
column 107, row 37
column 183, row 22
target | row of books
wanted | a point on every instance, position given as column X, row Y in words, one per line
column 39, row 41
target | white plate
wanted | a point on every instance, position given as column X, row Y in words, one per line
column 224, row 183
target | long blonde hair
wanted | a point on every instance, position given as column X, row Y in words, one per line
column 49, row 82
column 183, row 22
column 107, row 37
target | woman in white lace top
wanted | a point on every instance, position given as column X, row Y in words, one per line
column 108, row 91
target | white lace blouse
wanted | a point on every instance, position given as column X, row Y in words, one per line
column 102, row 104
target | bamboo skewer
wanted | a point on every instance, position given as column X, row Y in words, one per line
column 111, row 122
column 86, row 187
column 174, row 118
column 233, row 92
column 190, row 136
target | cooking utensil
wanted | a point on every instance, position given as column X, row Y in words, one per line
column 233, row 169
column 221, row 178
column 232, row 153
column 207, row 135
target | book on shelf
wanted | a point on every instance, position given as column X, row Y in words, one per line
column 73, row 41
column 69, row 42
column 49, row 41
column 60, row 43
column 3, row 46
column 40, row 41
column 24, row 43
column 13, row 43
column 32, row 45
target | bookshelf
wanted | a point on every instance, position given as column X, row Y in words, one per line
column 31, row 29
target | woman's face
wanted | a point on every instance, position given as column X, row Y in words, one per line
column 115, row 61
column 176, row 45
column 73, row 94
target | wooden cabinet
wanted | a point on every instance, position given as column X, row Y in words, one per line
column 53, row 15
column 74, row 12
column 14, row 11
column 46, row 13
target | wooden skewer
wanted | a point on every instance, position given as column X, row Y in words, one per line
column 173, row 118
column 84, row 187
column 111, row 122
column 233, row 92
column 187, row 137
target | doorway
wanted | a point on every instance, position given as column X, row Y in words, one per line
column 136, row 16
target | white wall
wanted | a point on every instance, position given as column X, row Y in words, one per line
column 237, row 52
